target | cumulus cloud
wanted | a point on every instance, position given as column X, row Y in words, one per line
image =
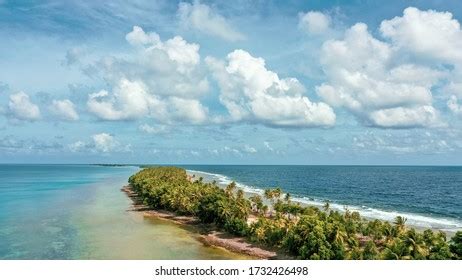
column 251, row 92
column 77, row 146
column 104, row 142
column 429, row 33
column 137, row 37
column 162, row 81
column 203, row 18
column 129, row 100
column 21, row 107
column 402, row 117
column 314, row 22
column 64, row 110
column 431, row 36
column 100, row 143
column 188, row 109
column 365, row 77
column 170, row 67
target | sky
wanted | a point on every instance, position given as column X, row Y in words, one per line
column 231, row 82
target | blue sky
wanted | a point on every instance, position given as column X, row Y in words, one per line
column 231, row 82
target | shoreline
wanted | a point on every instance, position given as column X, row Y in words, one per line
column 285, row 228
column 419, row 228
column 209, row 235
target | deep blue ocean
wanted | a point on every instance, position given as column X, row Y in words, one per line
column 428, row 196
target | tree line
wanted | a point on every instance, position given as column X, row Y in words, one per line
column 304, row 232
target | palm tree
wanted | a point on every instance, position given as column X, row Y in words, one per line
column 268, row 194
column 257, row 203
column 413, row 243
column 313, row 234
column 456, row 245
column 240, row 194
column 326, row 206
column 399, row 223
column 339, row 235
column 229, row 190
column 277, row 192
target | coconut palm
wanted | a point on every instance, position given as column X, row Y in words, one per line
column 414, row 244
column 257, row 203
column 230, row 189
column 399, row 223
column 456, row 245
column 326, row 206
column 306, row 232
column 240, row 194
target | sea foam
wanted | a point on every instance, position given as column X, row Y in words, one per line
column 413, row 219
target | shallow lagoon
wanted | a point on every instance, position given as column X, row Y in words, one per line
column 79, row 212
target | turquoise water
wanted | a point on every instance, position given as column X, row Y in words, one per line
column 79, row 212
column 428, row 196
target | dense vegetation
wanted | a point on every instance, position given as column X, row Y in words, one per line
column 305, row 232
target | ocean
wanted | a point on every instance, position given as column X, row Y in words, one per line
column 428, row 196
column 79, row 212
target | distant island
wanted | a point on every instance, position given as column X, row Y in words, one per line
column 274, row 226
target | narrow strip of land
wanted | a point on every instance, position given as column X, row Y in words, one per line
column 228, row 218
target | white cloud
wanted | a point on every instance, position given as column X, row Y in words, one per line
column 77, row 146
column 249, row 149
column 268, row 146
column 251, row 92
column 129, row 100
column 64, row 109
column 234, row 151
column 402, row 117
column 454, row 88
column 157, row 129
column 163, row 80
column 429, row 33
column 168, row 67
column 404, row 142
column 137, row 37
column 104, row 142
column 431, row 36
column 21, row 107
column 365, row 78
column 201, row 17
column 454, row 106
column 188, row 109
column 314, row 22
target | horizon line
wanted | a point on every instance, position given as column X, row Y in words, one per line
column 233, row 164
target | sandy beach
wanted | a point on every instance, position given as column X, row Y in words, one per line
column 247, row 194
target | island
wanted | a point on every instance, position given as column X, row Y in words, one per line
column 275, row 227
